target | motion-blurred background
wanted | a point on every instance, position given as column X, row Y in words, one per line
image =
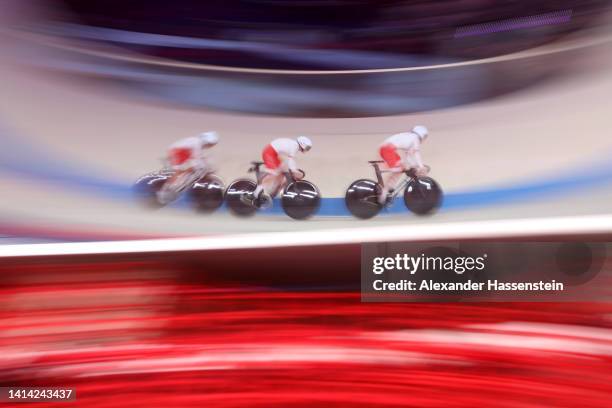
column 278, row 327
column 517, row 99
column 257, row 47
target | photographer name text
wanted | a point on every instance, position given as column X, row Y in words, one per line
column 469, row 285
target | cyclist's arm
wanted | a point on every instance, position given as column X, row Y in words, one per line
column 413, row 156
column 197, row 161
column 291, row 163
column 416, row 156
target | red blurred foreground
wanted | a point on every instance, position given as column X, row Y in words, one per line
column 132, row 336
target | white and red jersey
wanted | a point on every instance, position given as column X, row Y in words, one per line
column 187, row 152
column 285, row 147
column 407, row 146
column 286, row 150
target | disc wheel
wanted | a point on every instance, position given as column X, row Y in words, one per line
column 233, row 194
column 361, row 198
column 146, row 188
column 423, row 195
column 206, row 194
column 301, row 200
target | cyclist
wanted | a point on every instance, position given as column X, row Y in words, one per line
column 187, row 158
column 278, row 158
column 401, row 152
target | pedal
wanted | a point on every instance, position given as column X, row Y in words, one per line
column 390, row 197
column 166, row 196
column 263, row 202
column 248, row 199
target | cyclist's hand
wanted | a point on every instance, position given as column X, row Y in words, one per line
column 201, row 167
column 422, row 171
column 299, row 174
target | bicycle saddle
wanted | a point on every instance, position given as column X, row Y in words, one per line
column 255, row 166
column 375, row 161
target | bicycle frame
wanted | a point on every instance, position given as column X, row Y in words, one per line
column 180, row 185
column 288, row 176
column 410, row 173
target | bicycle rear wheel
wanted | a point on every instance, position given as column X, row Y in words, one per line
column 206, row 194
column 146, row 187
column 361, row 198
column 233, row 196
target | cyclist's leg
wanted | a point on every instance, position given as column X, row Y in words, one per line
column 181, row 164
column 258, row 190
column 272, row 164
column 271, row 183
column 261, row 197
column 390, row 179
column 177, row 183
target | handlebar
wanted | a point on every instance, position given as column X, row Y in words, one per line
column 255, row 165
column 412, row 172
column 290, row 176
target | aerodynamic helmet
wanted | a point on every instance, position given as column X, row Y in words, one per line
column 421, row 131
column 305, row 143
column 209, row 138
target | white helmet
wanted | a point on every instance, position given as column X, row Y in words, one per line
column 209, row 138
column 421, row 131
column 305, row 143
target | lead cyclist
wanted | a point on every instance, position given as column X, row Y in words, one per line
column 401, row 152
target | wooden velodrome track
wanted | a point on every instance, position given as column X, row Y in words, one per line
column 71, row 148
